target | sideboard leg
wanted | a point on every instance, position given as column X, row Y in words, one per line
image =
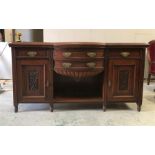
column 104, row 107
column 138, row 107
column 16, row 108
column 52, row 107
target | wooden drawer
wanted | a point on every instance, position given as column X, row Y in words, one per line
column 78, row 54
column 78, row 65
column 124, row 53
column 32, row 53
column 78, row 69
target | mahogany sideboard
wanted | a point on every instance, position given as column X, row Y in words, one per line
column 78, row 73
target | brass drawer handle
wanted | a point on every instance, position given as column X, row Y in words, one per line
column 91, row 64
column 31, row 54
column 66, row 65
column 67, row 54
column 91, row 54
column 125, row 54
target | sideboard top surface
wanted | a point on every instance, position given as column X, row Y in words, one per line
column 77, row 44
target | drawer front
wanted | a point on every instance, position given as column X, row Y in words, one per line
column 78, row 69
column 78, row 65
column 124, row 53
column 78, row 54
column 31, row 52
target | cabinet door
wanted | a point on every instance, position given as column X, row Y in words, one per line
column 33, row 80
column 123, row 82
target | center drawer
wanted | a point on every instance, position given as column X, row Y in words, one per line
column 78, row 69
column 77, row 64
column 77, row 54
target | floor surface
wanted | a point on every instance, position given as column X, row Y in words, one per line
column 76, row 115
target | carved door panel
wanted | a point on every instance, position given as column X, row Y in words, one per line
column 33, row 80
column 123, row 82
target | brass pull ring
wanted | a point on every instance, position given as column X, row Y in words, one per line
column 91, row 54
column 91, row 64
column 66, row 54
column 66, row 65
column 31, row 54
column 125, row 54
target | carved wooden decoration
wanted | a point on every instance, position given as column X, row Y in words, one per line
column 33, row 80
column 123, row 79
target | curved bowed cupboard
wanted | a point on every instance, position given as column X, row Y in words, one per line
column 78, row 73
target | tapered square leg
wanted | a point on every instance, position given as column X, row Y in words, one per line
column 52, row 107
column 148, row 79
column 16, row 108
column 138, row 108
column 104, row 107
column 139, row 104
